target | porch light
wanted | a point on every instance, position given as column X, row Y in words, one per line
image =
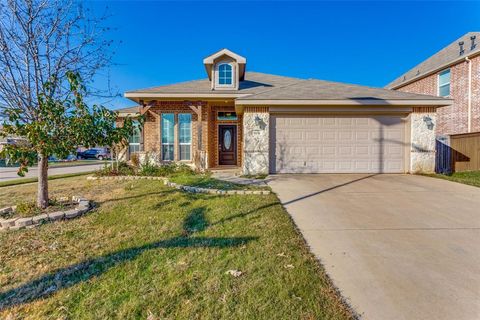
column 258, row 121
column 428, row 121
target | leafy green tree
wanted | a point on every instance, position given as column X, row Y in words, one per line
column 61, row 125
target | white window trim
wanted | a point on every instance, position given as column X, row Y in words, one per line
column 139, row 144
column 217, row 75
column 183, row 143
column 445, row 84
column 161, row 136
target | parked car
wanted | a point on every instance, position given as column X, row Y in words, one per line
column 94, row 153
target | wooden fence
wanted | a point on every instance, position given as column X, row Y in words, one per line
column 460, row 153
column 466, row 155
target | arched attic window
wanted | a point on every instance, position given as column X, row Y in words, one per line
column 224, row 75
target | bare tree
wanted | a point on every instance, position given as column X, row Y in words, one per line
column 41, row 42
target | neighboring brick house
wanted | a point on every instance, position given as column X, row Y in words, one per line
column 453, row 72
column 262, row 123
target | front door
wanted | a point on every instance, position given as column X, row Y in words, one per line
column 227, row 145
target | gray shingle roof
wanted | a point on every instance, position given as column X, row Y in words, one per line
column 313, row 89
column 261, row 86
column 254, row 82
column 447, row 55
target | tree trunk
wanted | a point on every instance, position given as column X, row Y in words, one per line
column 42, row 196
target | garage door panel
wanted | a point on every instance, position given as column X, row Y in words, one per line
column 338, row 144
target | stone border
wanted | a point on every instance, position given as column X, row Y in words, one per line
column 183, row 187
column 30, row 222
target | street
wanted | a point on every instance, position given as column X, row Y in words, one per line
column 10, row 173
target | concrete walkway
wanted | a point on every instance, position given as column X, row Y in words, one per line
column 230, row 176
column 397, row 246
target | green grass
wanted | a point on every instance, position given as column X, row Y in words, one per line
column 75, row 163
column 153, row 252
column 35, row 179
column 206, row 181
column 471, row 177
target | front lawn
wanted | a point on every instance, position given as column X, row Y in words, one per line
column 207, row 181
column 152, row 252
column 470, row 177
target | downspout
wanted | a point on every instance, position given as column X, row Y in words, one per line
column 469, row 98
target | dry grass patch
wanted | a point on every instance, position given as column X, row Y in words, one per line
column 148, row 250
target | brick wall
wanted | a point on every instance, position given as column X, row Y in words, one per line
column 454, row 119
column 209, row 125
column 151, row 127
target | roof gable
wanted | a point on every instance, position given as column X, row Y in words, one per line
column 224, row 52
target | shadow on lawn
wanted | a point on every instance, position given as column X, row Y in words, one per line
column 83, row 271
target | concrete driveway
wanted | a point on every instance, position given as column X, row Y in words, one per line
column 396, row 246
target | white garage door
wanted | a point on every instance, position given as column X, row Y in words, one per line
column 337, row 144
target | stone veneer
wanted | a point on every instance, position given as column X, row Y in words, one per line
column 422, row 151
column 256, row 140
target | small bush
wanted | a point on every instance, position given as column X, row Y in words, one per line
column 122, row 169
column 149, row 169
column 135, row 159
column 27, row 209
column 184, row 169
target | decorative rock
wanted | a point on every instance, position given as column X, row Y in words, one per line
column 23, row 222
column 56, row 215
column 69, row 214
column 257, row 192
column 84, row 203
column 265, row 192
column 231, row 192
column 8, row 222
column 6, row 210
column 40, row 218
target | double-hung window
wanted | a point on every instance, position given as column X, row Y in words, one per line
column 185, row 136
column 134, row 139
column 168, row 124
column 444, row 83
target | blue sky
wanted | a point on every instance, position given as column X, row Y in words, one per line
column 368, row 43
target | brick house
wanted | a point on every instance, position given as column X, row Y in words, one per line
column 262, row 123
column 453, row 72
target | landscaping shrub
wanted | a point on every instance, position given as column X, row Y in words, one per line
column 135, row 160
column 123, row 169
column 27, row 209
column 149, row 169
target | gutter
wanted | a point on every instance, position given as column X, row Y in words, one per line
column 469, row 99
column 346, row 102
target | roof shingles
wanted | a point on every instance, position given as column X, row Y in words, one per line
column 261, row 86
column 447, row 55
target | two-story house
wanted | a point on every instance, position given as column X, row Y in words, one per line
column 453, row 72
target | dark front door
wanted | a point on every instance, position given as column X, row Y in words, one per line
column 227, row 145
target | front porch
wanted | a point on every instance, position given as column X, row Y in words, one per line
column 210, row 138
